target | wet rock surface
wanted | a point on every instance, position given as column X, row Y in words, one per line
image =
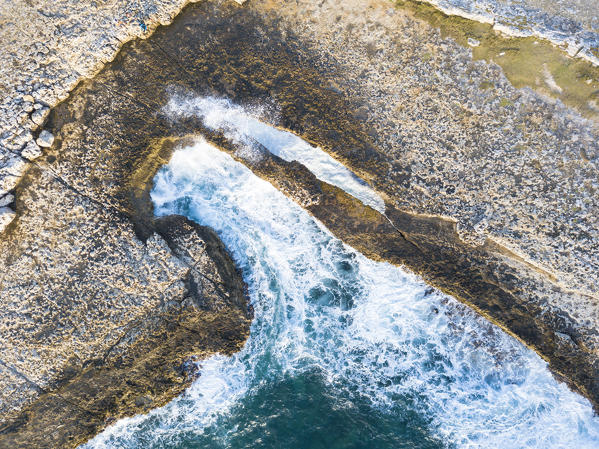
column 92, row 317
column 451, row 161
column 514, row 297
column 491, row 197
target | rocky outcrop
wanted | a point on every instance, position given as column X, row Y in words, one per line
column 97, row 324
column 122, row 339
column 514, row 298
column 103, row 309
column 476, row 179
column 490, row 192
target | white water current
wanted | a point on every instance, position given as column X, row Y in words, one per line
column 244, row 126
column 372, row 331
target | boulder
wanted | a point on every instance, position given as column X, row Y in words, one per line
column 45, row 139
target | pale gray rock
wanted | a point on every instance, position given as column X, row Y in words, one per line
column 45, row 139
column 39, row 115
column 22, row 138
column 6, row 200
column 79, row 291
column 7, row 215
column 507, row 165
column 45, row 54
column 31, row 151
column 12, row 168
column 82, row 290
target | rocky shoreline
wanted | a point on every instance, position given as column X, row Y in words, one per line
column 105, row 310
column 99, row 322
column 491, row 196
column 48, row 48
column 143, row 365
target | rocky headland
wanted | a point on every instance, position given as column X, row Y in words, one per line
column 105, row 310
column 491, row 195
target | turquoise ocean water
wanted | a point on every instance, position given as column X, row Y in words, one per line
column 344, row 352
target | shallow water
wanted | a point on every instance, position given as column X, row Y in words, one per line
column 344, row 352
column 573, row 23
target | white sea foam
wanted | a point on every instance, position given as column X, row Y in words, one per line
column 245, row 126
column 368, row 327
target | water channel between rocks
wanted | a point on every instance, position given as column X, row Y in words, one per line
column 344, row 351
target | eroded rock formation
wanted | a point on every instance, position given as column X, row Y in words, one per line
column 97, row 324
column 103, row 308
column 490, row 191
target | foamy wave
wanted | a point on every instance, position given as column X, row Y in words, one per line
column 244, row 126
column 372, row 329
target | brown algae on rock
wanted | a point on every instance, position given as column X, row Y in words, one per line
column 377, row 108
column 104, row 309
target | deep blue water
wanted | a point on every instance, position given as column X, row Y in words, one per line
column 344, row 352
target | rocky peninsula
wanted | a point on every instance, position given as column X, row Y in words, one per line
column 105, row 310
column 490, row 191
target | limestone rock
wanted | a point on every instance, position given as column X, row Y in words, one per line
column 39, row 115
column 75, row 264
column 6, row 200
column 12, row 168
column 32, row 151
column 501, row 162
column 97, row 306
column 502, row 165
column 45, row 139
column 44, row 55
column 7, row 215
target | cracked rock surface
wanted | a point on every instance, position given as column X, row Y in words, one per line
column 103, row 309
column 505, row 164
column 448, row 137
column 47, row 48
